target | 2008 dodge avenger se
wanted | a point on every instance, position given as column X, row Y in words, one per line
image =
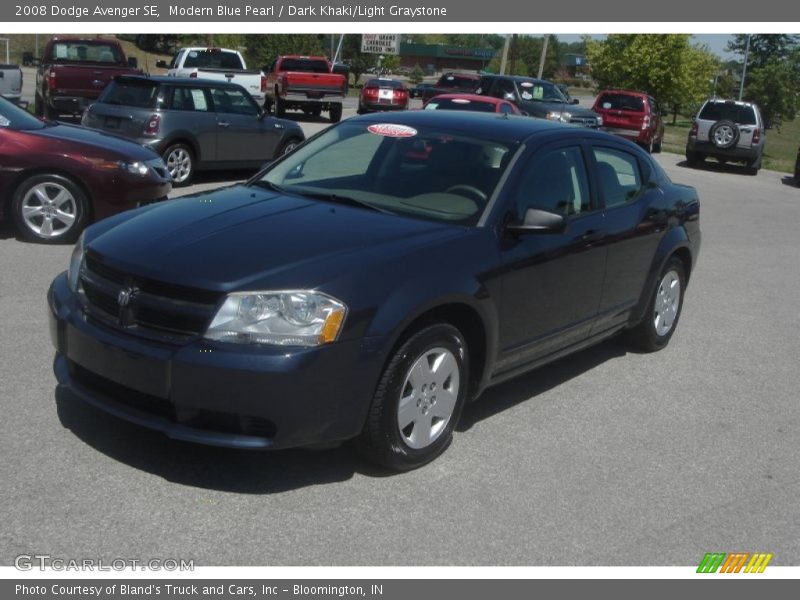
column 374, row 280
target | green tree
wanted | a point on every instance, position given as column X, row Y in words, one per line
column 263, row 49
column 416, row 75
column 773, row 74
column 669, row 67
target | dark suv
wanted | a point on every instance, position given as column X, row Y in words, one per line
column 538, row 98
column 728, row 130
column 193, row 124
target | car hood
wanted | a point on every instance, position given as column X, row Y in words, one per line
column 573, row 109
column 97, row 140
column 244, row 237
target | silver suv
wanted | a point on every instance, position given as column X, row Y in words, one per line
column 727, row 130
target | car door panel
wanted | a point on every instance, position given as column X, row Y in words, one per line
column 559, row 275
column 243, row 137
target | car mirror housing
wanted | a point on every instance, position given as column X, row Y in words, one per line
column 539, row 221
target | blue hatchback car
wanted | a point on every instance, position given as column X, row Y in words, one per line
column 372, row 281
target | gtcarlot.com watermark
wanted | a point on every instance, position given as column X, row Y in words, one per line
column 43, row 562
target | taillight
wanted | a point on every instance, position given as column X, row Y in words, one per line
column 193, row 74
column 51, row 79
column 693, row 130
column 756, row 136
column 371, row 92
column 400, row 95
column 152, row 125
column 646, row 122
column 263, row 83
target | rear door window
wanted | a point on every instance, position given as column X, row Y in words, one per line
column 619, row 175
column 190, row 99
column 212, row 59
column 233, row 101
column 141, row 94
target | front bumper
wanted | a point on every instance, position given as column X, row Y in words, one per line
column 257, row 397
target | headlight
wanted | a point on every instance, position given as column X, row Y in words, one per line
column 75, row 264
column 558, row 116
column 285, row 318
column 135, row 168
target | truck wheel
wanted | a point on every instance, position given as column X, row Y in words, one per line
column 50, row 209
column 336, row 113
column 693, row 159
column 180, row 164
column 316, row 111
column 280, row 107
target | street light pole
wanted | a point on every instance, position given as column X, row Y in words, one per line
column 542, row 57
column 744, row 68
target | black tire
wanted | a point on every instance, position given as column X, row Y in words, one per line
column 657, row 145
column 645, row 336
column 335, row 113
column 724, row 134
column 694, row 159
column 38, row 105
column 382, row 440
column 280, row 107
column 286, row 147
column 176, row 156
column 797, row 172
column 75, row 207
column 648, row 146
column 754, row 166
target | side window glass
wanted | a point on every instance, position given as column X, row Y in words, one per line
column 233, row 101
column 175, row 60
column 503, row 87
column 555, row 181
column 620, row 177
column 192, row 99
column 506, row 109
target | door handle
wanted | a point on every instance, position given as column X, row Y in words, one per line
column 593, row 235
column 223, row 124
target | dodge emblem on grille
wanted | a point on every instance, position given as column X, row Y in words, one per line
column 125, row 295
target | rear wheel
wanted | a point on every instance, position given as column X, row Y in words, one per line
column 286, row 147
column 180, row 164
column 280, row 107
column 50, row 209
column 335, row 113
column 657, row 145
column 418, row 400
column 316, row 111
column 663, row 311
column 694, row 159
column 753, row 166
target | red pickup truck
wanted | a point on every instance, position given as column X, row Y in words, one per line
column 73, row 72
column 307, row 83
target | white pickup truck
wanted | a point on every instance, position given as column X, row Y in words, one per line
column 11, row 82
column 217, row 63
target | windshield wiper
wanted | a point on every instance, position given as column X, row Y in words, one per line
column 347, row 200
column 263, row 183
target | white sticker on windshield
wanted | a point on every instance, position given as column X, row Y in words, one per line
column 199, row 98
column 526, row 84
column 193, row 54
column 460, row 101
column 527, row 95
column 392, row 130
column 4, row 122
column 606, row 105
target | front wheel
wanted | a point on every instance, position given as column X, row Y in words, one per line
column 49, row 209
column 663, row 311
column 418, row 400
column 286, row 147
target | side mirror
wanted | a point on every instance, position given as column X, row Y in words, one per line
column 133, row 62
column 162, row 64
column 574, row 101
column 539, row 221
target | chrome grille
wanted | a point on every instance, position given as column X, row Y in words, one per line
column 584, row 121
column 149, row 307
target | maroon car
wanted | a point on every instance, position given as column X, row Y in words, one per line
column 383, row 94
column 632, row 115
column 473, row 103
column 56, row 178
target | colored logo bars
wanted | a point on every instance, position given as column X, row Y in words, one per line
column 734, row 562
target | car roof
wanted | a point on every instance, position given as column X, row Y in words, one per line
column 730, row 101
column 178, row 81
column 625, row 92
column 497, row 126
column 470, row 97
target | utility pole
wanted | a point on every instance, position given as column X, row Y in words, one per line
column 504, row 58
column 744, row 68
column 513, row 66
column 542, row 57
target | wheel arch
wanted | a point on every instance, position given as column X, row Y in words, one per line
column 25, row 174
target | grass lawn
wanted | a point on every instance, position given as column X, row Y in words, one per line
column 780, row 151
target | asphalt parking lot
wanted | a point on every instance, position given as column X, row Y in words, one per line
column 607, row 457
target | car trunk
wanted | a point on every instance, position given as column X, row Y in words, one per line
column 621, row 111
column 87, row 81
column 121, row 120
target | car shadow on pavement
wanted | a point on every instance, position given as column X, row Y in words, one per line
column 223, row 469
column 526, row 387
column 718, row 167
column 254, row 472
column 790, row 181
column 7, row 229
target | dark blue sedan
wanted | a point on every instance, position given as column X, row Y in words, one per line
column 371, row 282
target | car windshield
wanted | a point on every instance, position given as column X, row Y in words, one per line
column 459, row 104
column 141, row 94
column 540, row 90
column 213, row 59
column 85, row 52
column 624, row 102
column 13, row 117
column 385, row 83
column 422, row 172
column 716, row 111
column 458, row 81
